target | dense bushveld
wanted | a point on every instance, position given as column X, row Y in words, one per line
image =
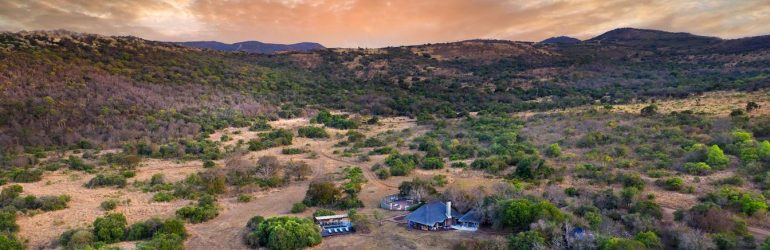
column 61, row 88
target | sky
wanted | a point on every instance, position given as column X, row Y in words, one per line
column 379, row 23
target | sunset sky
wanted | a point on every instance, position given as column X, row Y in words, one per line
column 376, row 23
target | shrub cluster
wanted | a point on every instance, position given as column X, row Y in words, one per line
column 204, row 210
column 334, row 121
column 282, row 233
column 275, row 138
column 402, row 165
column 11, row 199
column 312, row 132
column 102, row 180
column 154, row 233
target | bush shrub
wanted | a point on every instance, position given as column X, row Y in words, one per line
column 205, row 210
column 284, row 233
column 383, row 173
column 260, row 125
column 25, row 175
column 350, row 202
column 439, row 180
column 372, row 142
column 109, row 204
column 519, row 213
column 615, row 243
column 697, row 168
column 355, row 136
column 52, row 203
column 245, row 198
column 10, row 242
column 553, row 150
column 526, row 240
column 76, row 163
column 154, row 226
column 323, row 212
column 110, row 228
column 162, row 197
column 433, row 163
column 571, row 191
column 8, row 222
column 334, row 121
column 715, row 157
column 649, row 239
column 293, row 151
column 77, row 239
column 401, row 165
column 101, row 180
column 671, row 184
column 531, row 168
column 312, row 132
column 322, row 193
column 162, row 241
column 275, row 138
column 298, row 208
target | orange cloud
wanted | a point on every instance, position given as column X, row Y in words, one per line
column 373, row 23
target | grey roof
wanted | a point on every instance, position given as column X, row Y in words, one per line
column 431, row 213
column 471, row 216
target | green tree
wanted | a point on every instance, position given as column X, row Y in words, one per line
column 8, row 222
column 298, row 207
column 594, row 219
column 10, row 242
column 697, row 168
column 284, row 233
column 649, row 239
column 110, row 228
column 553, row 150
column 751, row 204
column 433, row 163
column 162, row 241
column 764, row 150
column 616, row 243
column 517, row 213
column 742, row 136
column 322, row 193
column 715, row 157
column 312, row 132
column 526, row 241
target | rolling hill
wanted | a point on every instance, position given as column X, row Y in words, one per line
column 61, row 88
column 253, row 46
column 561, row 40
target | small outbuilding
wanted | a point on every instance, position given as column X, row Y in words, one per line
column 433, row 216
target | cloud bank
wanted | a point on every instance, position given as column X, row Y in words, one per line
column 376, row 23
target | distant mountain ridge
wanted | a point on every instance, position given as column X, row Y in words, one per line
column 634, row 36
column 253, row 46
column 561, row 40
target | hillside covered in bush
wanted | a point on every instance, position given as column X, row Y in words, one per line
column 59, row 88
